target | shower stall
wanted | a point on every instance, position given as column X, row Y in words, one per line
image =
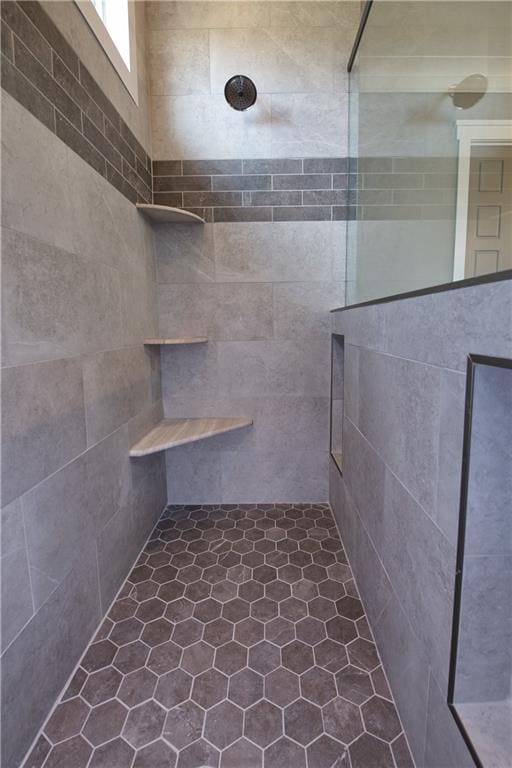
column 430, row 191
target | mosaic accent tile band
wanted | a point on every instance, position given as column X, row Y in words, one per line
column 43, row 73
column 237, row 641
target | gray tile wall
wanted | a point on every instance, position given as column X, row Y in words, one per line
column 398, row 501
column 260, row 278
column 484, row 659
column 261, row 292
column 78, row 388
column 42, row 71
column 296, row 53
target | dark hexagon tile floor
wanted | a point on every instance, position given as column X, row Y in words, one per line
column 237, row 641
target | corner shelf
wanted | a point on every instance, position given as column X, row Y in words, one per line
column 173, row 432
column 177, row 341
column 164, row 213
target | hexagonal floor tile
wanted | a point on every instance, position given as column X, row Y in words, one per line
column 341, row 629
column 242, row 753
column 363, row 654
column 209, row 688
column 354, row 684
column 137, row 687
column 326, row 752
column 310, row 630
column 173, row 688
column 75, row 751
column 285, row 754
column 156, row 632
column 369, row 752
column 264, row 609
column 381, row 719
column 131, row 657
column 282, row 687
column 197, row 658
column 200, row 753
column 115, row 753
column 67, row 720
column 279, row 631
column 264, row 657
column 350, row 607
column 144, row 724
column 317, row 685
column 234, row 618
column 231, row 657
column 207, row 610
column 297, row 656
column 249, row 632
column 101, row 685
column 187, row 632
column 263, row 723
column 223, row 724
column 293, row 609
column 218, row 632
column 184, row 724
column 105, row 722
column 303, row 721
column 164, row 657
column 342, row 720
column 154, row 755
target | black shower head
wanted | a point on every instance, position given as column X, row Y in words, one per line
column 240, row 92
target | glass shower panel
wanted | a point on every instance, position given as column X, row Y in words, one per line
column 427, row 76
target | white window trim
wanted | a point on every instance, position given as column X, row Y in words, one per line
column 128, row 76
column 472, row 133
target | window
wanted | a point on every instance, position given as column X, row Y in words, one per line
column 113, row 24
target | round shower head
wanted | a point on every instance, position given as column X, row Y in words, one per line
column 468, row 92
column 240, row 92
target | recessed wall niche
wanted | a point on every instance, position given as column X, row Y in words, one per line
column 336, row 425
column 480, row 688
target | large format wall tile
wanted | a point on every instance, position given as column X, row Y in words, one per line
column 43, row 422
column 404, row 407
column 58, row 521
column 484, row 663
column 219, row 311
column 444, row 745
column 302, row 309
column 17, row 606
column 55, row 303
column 299, row 367
column 79, row 279
column 194, row 477
column 198, row 126
column 36, row 666
column 179, row 62
column 309, row 124
column 185, row 254
column 182, row 14
column 116, row 386
column 398, row 414
column 406, row 665
column 279, row 422
column 277, row 475
column 278, row 252
column 279, row 60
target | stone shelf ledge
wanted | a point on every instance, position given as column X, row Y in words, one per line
column 177, row 341
column 173, row 432
column 165, row 213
